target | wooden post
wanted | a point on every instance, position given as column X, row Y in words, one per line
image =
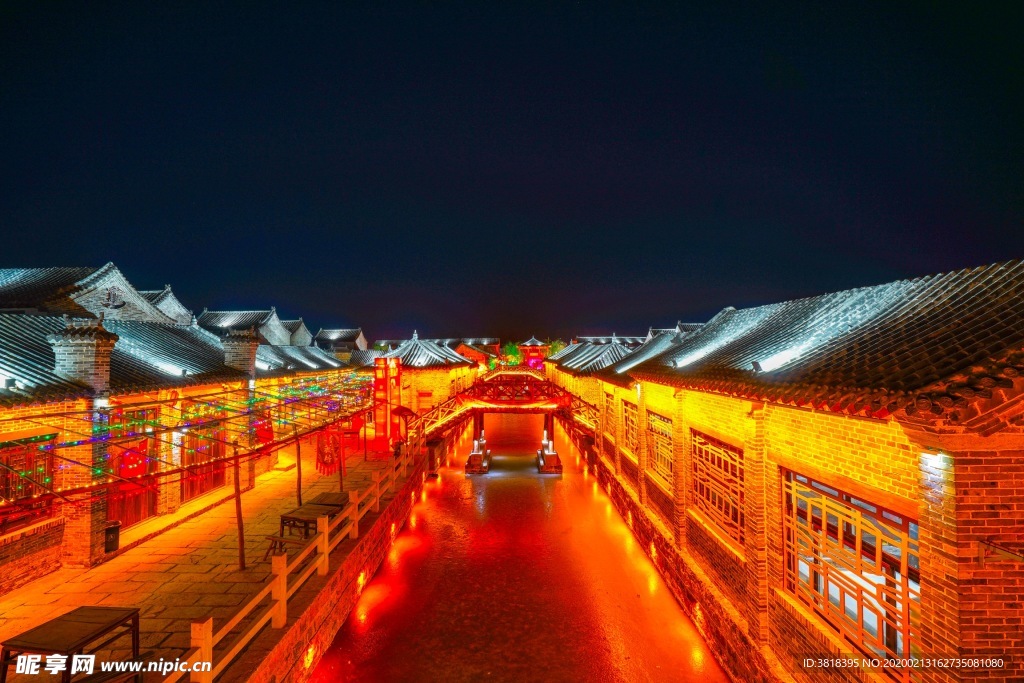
column 353, row 497
column 341, row 465
column 322, row 545
column 376, row 491
column 238, row 512
column 202, row 641
column 298, row 467
column 279, row 592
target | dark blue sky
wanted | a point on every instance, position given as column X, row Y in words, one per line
column 510, row 170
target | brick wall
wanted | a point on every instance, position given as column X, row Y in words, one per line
column 990, row 508
column 27, row 554
column 422, row 389
column 880, row 461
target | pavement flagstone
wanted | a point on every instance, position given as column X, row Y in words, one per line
column 187, row 572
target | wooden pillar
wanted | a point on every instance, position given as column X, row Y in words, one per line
column 238, row 511
column 298, row 467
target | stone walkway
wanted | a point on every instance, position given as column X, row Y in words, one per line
column 188, row 572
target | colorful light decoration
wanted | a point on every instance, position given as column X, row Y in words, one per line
column 309, row 403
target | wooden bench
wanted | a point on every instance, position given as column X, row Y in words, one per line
column 279, row 544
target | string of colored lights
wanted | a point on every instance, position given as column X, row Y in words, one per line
column 330, row 396
column 351, row 377
column 184, row 472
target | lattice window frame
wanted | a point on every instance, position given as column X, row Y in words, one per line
column 630, row 427
column 659, row 447
column 609, row 414
column 717, row 484
column 864, row 586
column 24, row 501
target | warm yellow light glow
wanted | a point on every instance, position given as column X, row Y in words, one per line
column 307, row 660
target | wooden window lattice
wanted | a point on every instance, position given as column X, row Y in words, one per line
column 659, row 446
column 609, row 413
column 630, row 433
column 32, row 474
column 133, row 451
column 855, row 564
column 718, row 483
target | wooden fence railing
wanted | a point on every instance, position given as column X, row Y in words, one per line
column 287, row 577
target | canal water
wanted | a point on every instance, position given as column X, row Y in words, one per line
column 517, row 576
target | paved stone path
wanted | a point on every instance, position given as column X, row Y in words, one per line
column 188, row 572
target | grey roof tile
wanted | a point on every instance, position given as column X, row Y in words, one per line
column 872, row 345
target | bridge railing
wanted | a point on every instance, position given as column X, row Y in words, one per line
column 512, row 370
column 287, row 578
column 423, row 425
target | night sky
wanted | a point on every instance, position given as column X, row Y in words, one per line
column 510, row 170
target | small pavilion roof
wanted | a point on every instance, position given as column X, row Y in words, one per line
column 533, row 341
column 423, row 353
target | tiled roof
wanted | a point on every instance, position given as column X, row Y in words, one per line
column 585, row 358
column 928, row 347
column 655, row 346
column 450, row 342
column 169, row 304
column 475, row 341
column 233, row 320
column 567, row 351
column 613, row 339
column 27, row 360
column 339, row 335
column 478, row 349
column 363, row 359
column 533, row 341
column 150, row 355
column 299, row 358
column 292, row 325
column 685, row 328
column 43, row 288
column 146, row 355
column 80, row 292
column 422, row 353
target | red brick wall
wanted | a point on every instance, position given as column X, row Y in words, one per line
column 990, row 507
column 29, row 553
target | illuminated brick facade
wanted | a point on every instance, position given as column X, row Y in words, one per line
column 811, row 521
column 956, row 496
column 122, row 412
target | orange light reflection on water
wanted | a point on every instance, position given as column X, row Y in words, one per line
column 480, row 549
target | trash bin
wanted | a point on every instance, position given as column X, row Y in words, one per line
column 112, row 537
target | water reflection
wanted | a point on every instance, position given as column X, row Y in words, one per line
column 517, row 576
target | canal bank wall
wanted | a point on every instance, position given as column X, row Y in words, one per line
column 320, row 608
column 723, row 628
